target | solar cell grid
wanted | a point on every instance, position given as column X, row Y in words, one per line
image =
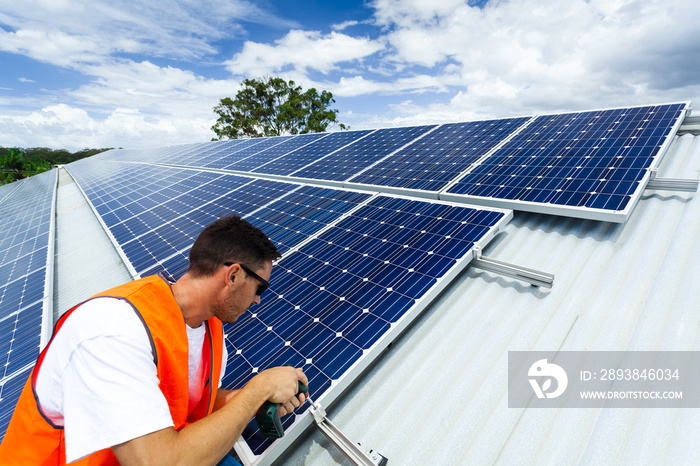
column 7, row 189
column 24, row 257
column 273, row 152
column 247, row 148
column 332, row 299
column 431, row 162
column 158, row 244
column 296, row 216
column 204, row 154
column 310, row 153
column 593, row 160
column 144, row 234
column 24, row 241
column 25, row 342
column 348, row 161
column 179, row 154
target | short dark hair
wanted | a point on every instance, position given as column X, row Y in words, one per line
column 230, row 239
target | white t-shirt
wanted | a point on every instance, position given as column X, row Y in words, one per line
column 99, row 381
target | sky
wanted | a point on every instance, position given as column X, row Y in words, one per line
column 78, row 74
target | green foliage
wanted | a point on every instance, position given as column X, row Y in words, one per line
column 16, row 164
column 11, row 166
column 274, row 107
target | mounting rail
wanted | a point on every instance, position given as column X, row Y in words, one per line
column 672, row 184
column 533, row 277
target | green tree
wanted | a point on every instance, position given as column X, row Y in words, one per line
column 11, row 166
column 14, row 166
column 274, row 107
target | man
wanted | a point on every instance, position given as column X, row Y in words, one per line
column 128, row 376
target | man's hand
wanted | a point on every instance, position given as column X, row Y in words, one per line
column 283, row 385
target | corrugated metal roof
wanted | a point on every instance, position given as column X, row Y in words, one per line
column 86, row 262
column 439, row 395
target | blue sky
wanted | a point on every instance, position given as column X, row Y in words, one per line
column 120, row 73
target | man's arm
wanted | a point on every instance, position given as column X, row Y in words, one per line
column 223, row 396
column 209, row 439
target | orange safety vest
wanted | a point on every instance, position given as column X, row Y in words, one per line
column 31, row 438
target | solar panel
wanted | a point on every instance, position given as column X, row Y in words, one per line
column 310, row 153
column 586, row 164
column 432, row 162
column 336, row 301
column 176, row 204
column 589, row 164
column 344, row 163
column 276, row 151
column 7, row 189
column 205, row 153
column 249, row 148
column 26, row 252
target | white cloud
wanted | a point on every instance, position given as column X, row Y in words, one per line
column 358, row 85
column 137, row 104
column 405, row 13
column 344, row 25
column 533, row 55
column 68, row 33
column 74, row 129
column 301, row 50
column 53, row 47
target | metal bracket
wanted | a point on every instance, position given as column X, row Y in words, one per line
column 533, row 277
column 672, row 184
column 350, row 449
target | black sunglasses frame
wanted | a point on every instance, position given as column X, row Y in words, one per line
column 264, row 284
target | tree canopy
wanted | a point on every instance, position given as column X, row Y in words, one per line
column 274, row 107
column 16, row 163
column 14, row 166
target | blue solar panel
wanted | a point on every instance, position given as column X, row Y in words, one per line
column 336, row 296
column 7, row 189
column 591, row 160
column 176, row 205
column 202, row 154
column 25, row 243
column 288, row 145
column 432, row 162
column 310, row 153
column 348, row 161
column 234, row 160
column 295, row 217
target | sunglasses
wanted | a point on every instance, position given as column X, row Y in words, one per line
column 264, row 284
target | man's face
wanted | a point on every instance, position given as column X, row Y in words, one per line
column 240, row 297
